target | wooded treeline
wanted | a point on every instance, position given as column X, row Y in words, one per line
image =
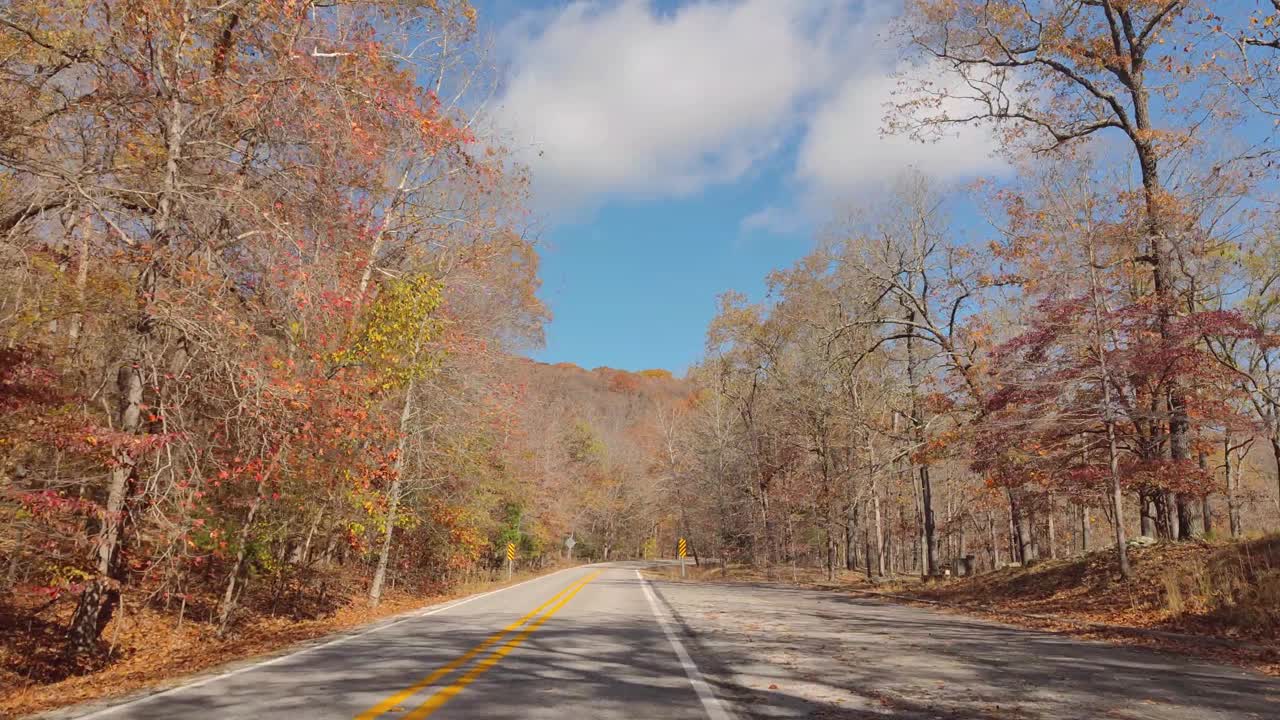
column 263, row 283
column 1088, row 354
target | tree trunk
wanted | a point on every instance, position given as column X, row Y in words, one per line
column 930, row 527
column 376, row 244
column 917, row 558
column 1232, row 471
column 995, row 547
column 1186, row 524
column 384, row 554
column 1117, row 500
column 1084, row 529
column 866, row 542
column 1166, row 516
column 82, row 279
column 1027, row 549
column 1053, row 535
column 1015, row 553
column 1275, row 455
column 304, row 555
column 875, row 502
column 229, row 594
column 102, row 594
column 769, row 555
column 1206, row 511
column 1108, row 421
column 928, row 530
column 393, row 499
column 1148, row 513
column 831, row 551
column 1160, row 257
column 849, row 539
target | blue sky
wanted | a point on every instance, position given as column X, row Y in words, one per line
column 634, row 285
column 682, row 149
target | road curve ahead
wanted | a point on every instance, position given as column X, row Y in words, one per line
column 590, row 642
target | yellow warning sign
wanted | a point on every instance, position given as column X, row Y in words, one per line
column 683, row 548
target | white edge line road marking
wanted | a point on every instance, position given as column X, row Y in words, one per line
column 715, row 709
column 413, row 615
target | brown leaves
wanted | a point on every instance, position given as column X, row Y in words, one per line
column 1068, row 592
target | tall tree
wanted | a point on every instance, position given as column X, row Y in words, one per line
column 1053, row 72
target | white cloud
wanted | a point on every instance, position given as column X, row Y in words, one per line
column 844, row 151
column 773, row 219
column 611, row 98
column 620, row 98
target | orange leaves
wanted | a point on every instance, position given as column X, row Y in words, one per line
column 938, row 447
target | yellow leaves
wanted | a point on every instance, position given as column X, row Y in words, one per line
column 657, row 373
column 397, row 327
column 64, row 575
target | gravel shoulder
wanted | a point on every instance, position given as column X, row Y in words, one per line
column 778, row 652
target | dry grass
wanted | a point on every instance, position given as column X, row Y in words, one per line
column 1234, row 587
column 1226, row 590
column 147, row 647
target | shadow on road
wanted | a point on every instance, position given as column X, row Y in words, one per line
column 788, row 652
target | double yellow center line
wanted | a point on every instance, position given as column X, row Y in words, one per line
column 444, row 694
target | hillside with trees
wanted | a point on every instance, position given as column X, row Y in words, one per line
column 594, row 453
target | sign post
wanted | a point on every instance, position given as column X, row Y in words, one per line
column 511, row 558
column 681, row 550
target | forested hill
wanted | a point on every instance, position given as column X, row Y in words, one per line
column 604, row 389
column 598, row 452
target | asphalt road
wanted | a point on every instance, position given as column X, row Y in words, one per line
column 600, row 642
column 777, row 652
column 582, row 643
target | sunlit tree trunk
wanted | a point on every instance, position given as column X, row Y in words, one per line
column 880, row 542
column 101, row 595
column 1231, row 468
column 1053, row 535
column 928, row 535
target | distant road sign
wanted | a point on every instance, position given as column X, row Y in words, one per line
column 511, row 551
column 683, row 548
column 570, row 542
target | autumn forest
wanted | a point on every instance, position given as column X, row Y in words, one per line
column 270, row 282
